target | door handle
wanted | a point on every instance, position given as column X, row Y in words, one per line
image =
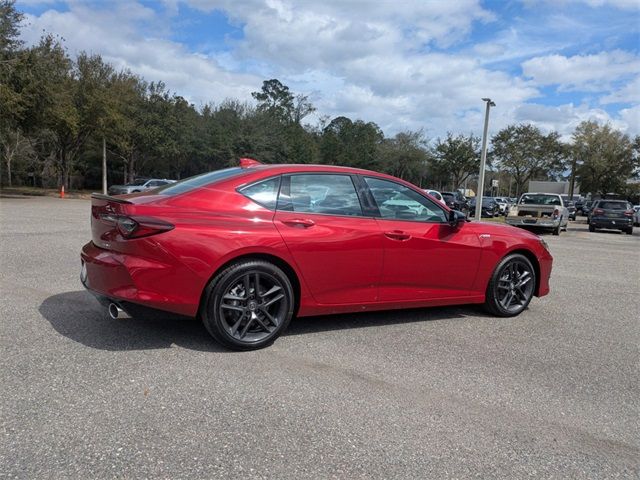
column 397, row 235
column 299, row 222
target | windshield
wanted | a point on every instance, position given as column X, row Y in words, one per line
column 138, row 182
column 540, row 199
column 192, row 183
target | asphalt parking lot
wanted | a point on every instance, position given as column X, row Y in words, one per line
column 431, row 393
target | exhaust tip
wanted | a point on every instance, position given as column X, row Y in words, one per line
column 115, row 311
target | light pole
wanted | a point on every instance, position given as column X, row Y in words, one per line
column 483, row 159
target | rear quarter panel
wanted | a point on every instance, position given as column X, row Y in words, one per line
column 213, row 227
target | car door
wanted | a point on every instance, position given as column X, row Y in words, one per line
column 424, row 257
column 334, row 241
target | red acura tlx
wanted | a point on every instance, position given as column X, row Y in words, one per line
column 249, row 247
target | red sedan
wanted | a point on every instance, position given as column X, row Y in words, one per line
column 249, row 247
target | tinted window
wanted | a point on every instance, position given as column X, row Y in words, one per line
column 614, row 206
column 138, row 182
column 448, row 197
column 396, row 201
column 264, row 193
column 323, row 193
column 156, row 183
column 192, row 183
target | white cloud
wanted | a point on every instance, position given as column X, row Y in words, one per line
column 582, row 72
column 620, row 4
column 116, row 34
column 629, row 93
column 565, row 118
column 396, row 64
column 631, row 117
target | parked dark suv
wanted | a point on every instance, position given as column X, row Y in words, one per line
column 490, row 207
column 611, row 214
column 457, row 201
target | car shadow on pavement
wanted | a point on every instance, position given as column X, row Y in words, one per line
column 306, row 325
column 79, row 317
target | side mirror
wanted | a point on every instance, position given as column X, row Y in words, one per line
column 455, row 217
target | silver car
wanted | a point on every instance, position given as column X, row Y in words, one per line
column 138, row 185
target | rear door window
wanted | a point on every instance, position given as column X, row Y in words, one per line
column 327, row 194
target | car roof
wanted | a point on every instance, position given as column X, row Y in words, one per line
column 302, row 167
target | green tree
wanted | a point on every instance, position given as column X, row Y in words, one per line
column 457, row 157
column 356, row 144
column 405, row 156
column 526, row 153
column 10, row 20
column 605, row 158
column 281, row 104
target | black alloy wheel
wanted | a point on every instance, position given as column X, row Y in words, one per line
column 248, row 305
column 511, row 287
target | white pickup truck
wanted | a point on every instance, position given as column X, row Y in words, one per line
column 541, row 210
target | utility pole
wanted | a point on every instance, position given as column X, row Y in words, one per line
column 483, row 159
column 104, row 166
column 573, row 176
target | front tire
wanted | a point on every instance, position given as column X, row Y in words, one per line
column 248, row 305
column 511, row 287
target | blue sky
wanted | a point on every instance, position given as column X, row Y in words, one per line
column 405, row 65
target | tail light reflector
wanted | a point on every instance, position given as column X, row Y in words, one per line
column 598, row 211
column 628, row 213
column 136, row 227
column 556, row 213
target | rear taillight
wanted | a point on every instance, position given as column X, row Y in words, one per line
column 598, row 211
column 556, row 213
column 136, row 227
column 628, row 213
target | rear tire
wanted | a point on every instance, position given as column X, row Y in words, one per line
column 592, row 228
column 248, row 305
column 629, row 231
column 511, row 286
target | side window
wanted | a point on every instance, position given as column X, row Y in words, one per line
column 155, row 183
column 323, row 193
column 398, row 202
column 264, row 193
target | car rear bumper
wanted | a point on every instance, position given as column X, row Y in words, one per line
column 120, row 278
column 612, row 223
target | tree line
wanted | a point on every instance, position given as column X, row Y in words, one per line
column 57, row 111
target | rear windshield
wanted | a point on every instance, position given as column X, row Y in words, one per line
column 614, row 205
column 540, row 200
column 192, row 183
